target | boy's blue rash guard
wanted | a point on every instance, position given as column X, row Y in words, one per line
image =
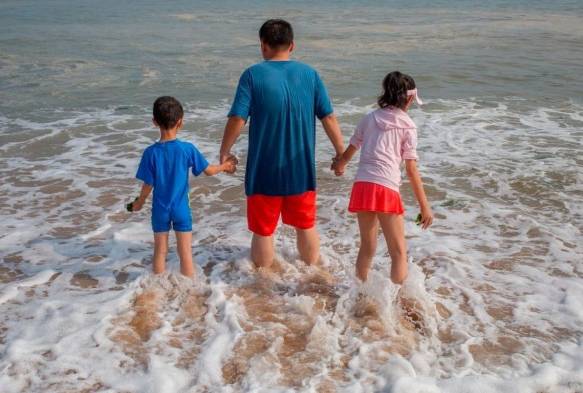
column 282, row 98
column 165, row 165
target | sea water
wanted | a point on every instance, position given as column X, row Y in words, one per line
column 493, row 302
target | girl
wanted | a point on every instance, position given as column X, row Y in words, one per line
column 387, row 136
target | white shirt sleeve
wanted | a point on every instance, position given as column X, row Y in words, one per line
column 409, row 145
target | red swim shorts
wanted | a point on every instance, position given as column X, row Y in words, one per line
column 263, row 212
column 371, row 197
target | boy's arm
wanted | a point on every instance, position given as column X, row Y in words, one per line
column 332, row 128
column 232, row 131
column 417, row 185
column 144, row 193
column 339, row 163
column 228, row 166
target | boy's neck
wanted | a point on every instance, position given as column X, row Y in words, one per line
column 167, row 135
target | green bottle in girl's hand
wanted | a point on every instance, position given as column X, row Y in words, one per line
column 418, row 219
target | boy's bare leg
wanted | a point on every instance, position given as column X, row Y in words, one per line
column 369, row 229
column 262, row 252
column 160, row 251
column 308, row 243
column 184, row 248
column 393, row 226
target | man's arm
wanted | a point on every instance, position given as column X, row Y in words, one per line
column 332, row 128
column 232, row 131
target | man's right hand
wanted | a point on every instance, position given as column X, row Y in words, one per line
column 229, row 158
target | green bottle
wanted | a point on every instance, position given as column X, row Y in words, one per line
column 130, row 206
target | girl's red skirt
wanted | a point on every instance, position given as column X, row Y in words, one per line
column 372, row 197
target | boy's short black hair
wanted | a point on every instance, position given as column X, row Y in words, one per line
column 395, row 86
column 276, row 33
column 167, row 112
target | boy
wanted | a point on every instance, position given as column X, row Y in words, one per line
column 164, row 168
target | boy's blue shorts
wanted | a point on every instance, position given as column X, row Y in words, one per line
column 179, row 219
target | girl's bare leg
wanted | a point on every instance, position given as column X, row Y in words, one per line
column 184, row 248
column 160, row 251
column 393, row 226
column 369, row 229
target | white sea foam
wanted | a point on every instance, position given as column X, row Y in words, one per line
column 495, row 284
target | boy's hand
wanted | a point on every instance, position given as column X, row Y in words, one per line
column 137, row 205
column 230, row 164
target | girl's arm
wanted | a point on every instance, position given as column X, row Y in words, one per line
column 228, row 166
column 417, row 185
column 144, row 193
column 339, row 164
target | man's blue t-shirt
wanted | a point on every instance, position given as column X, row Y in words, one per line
column 165, row 166
column 282, row 98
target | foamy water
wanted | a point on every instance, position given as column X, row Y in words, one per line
column 492, row 304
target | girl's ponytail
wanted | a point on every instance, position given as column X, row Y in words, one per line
column 395, row 86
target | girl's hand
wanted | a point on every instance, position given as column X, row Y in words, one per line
column 426, row 217
column 342, row 159
column 338, row 166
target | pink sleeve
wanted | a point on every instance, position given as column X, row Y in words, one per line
column 409, row 145
column 356, row 139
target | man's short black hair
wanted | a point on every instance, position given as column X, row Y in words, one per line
column 276, row 33
column 167, row 112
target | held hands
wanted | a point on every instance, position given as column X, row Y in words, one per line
column 342, row 159
column 229, row 162
column 338, row 165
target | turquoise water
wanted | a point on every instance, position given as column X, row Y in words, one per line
column 74, row 55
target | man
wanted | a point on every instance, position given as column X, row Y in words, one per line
column 282, row 97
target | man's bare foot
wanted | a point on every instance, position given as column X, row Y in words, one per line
column 365, row 306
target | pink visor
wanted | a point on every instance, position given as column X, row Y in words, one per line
column 413, row 93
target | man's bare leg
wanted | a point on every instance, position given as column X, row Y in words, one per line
column 262, row 252
column 308, row 242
